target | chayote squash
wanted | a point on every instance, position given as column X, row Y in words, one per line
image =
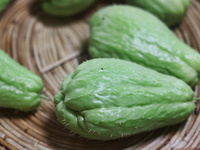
column 169, row 11
column 19, row 88
column 110, row 98
column 130, row 33
column 65, row 7
column 3, row 4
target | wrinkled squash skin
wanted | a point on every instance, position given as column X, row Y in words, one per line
column 130, row 33
column 109, row 98
column 170, row 12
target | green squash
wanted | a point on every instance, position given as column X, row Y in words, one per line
column 130, row 33
column 169, row 11
column 19, row 88
column 65, row 7
column 109, row 98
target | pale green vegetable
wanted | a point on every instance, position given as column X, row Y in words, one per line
column 130, row 33
column 169, row 11
column 65, row 7
column 109, row 98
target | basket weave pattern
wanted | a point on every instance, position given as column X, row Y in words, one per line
column 54, row 47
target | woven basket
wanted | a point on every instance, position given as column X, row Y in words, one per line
column 52, row 48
